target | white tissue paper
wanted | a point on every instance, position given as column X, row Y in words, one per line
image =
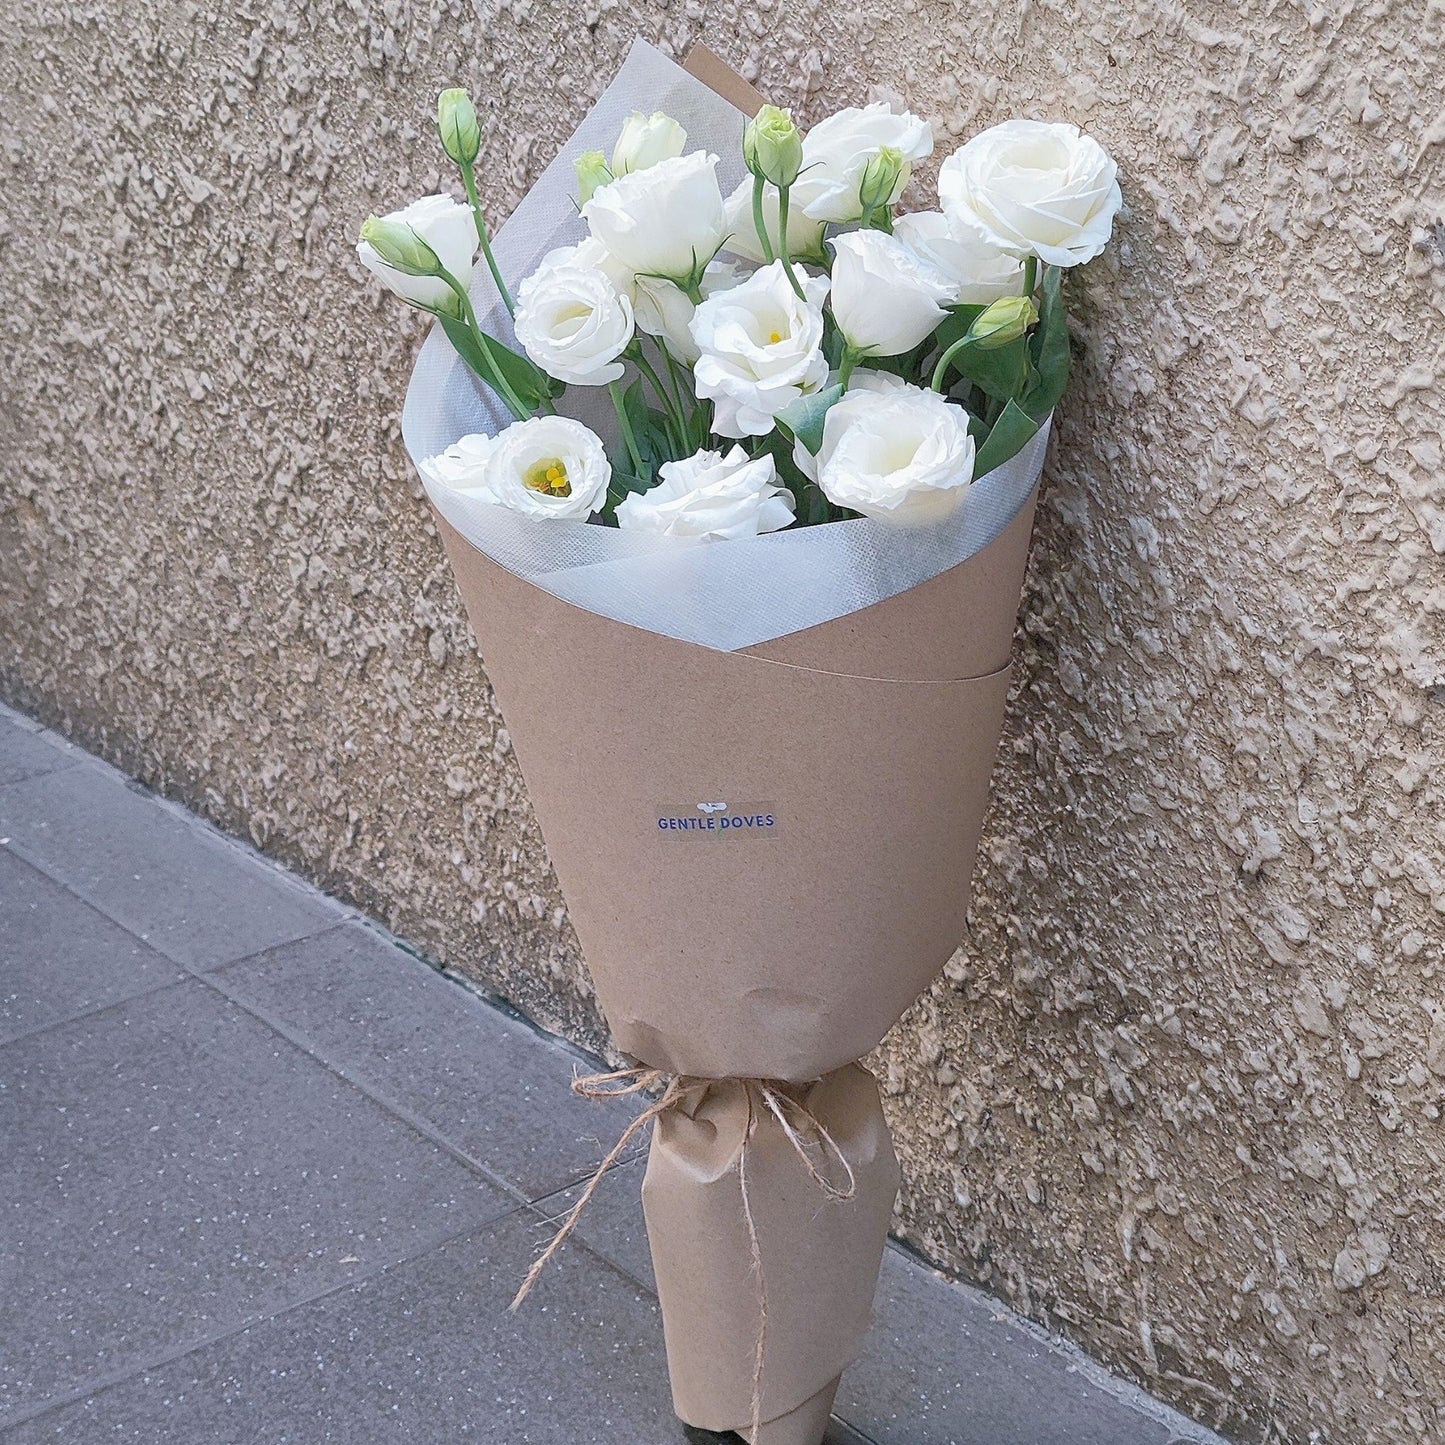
column 723, row 595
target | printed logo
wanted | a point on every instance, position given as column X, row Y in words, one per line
column 717, row 820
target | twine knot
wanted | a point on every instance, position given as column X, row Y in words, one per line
column 764, row 1096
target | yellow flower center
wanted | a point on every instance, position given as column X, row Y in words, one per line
column 776, row 337
column 550, row 478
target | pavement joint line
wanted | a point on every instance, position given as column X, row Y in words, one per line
column 243, row 851
column 101, row 1008
column 185, row 974
column 26, row 856
column 364, row 1086
column 99, row 1383
column 585, row 1059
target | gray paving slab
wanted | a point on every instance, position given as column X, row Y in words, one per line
column 612, row 1224
column 410, row 1034
column 424, row 1352
column 59, row 957
column 251, row 1205
column 170, row 1167
column 945, row 1365
column 26, row 752
column 178, row 885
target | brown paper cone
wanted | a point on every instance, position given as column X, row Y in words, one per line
column 722, row 79
column 766, row 855
column 820, row 1257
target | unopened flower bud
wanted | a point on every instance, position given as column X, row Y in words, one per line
column 645, row 140
column 457, row 123
column 1005, row 321
column 773, row 146
column 592, row 175
column 400, row 247
column 884, row 177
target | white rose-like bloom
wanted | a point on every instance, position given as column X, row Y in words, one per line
column 547, row 466
column 977, row 272
column 449, row 229
column 572, row 321
column 667, row 220
column 836, row 152
column 462, row 467
column 760, row 347
column 662, row 310
column 646, row 139
column 1033, row 188
column 711, row 497
column 805, row 235
column 898, row 454
column 885, row 299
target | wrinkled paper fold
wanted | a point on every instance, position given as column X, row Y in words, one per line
column 820, row 1257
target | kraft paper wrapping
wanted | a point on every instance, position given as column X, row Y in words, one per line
column 780, row 929
column 763, row 799
column 820, row 1257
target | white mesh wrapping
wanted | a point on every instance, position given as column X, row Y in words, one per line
column 723, row 595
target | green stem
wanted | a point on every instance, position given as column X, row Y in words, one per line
column 1031, row 274
column 494, row 379
column 685, row 398
column 469, row 180
column 615, row 391
column 783, row 244
column 941, row 369
column 758, row 224
column 693, row 434
column 849, row 360
column 669, row 403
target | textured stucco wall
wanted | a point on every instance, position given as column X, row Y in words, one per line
column 1180, row 1094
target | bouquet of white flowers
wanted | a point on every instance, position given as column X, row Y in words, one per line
column 791, row 354
column 747, row 485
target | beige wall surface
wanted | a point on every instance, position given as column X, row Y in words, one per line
column 1180, row 1092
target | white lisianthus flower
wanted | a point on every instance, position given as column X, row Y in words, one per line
column 662, row 310
column 836, row 152
column 462, row 466
column 548, row 466
column 805, row 235
column 591, row 253
column 1033, row 188
column 760, row 347
column 646, row 139
column 711, row 497
column 977, row 272
column 895, row 453
column 667, row 220
column 572, row 320
column 885, row 299
column 448, row 228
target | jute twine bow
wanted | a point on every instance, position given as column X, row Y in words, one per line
column 763, row 1096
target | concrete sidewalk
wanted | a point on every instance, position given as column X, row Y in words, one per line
column 266, row 1177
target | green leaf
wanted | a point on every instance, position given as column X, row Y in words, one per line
column 487, row 357
column 624, row 480
column 956, row 326
column 1010, row 434
column 802, row 420
column 651, row 429
column 1000, row 373
column 1049, row 349
column 623, row 484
